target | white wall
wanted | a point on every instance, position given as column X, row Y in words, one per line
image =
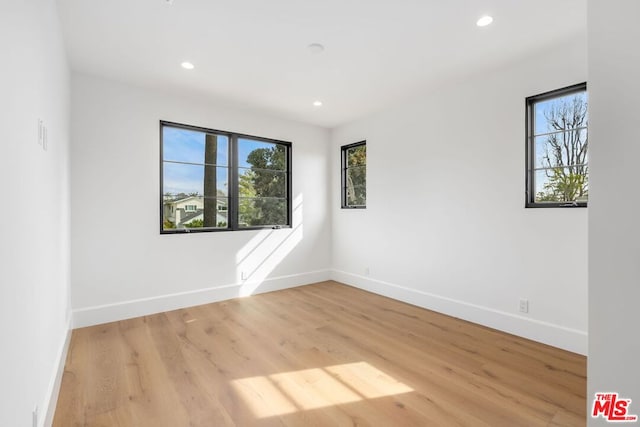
column 34, row 220
column 614, row 231
column 445, row 225
column 122, row 266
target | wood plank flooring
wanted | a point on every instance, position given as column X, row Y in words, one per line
column 318, row 355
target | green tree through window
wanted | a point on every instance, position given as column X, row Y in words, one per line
column 263, row 186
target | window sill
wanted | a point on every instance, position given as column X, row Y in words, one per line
column 556, row 205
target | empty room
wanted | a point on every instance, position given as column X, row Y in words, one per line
column 319, row 213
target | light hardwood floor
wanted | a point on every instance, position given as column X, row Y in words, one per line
column 318, row 355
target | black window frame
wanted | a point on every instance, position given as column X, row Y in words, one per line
column 530, row 157
column 232, row 191
column 343, row 174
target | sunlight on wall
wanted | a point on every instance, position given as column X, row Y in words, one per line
column 262, row 254
column 289, row 392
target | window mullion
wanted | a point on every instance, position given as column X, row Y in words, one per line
column 556, row 132
column 234, row 193
column 560, row 167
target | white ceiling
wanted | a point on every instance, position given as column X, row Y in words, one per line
column 254, row 52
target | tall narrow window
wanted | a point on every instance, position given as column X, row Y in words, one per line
column 354, row 176
column 213, row 180
column 557, row 148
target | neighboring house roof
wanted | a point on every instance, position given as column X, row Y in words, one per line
column 191, row 216
column 199, row 213
column 183, row 198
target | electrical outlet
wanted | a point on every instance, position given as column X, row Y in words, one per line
column 366, row 271
column 524, row 305
column 34, row 416
column 243, row 275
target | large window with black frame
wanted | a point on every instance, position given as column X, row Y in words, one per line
column 354, row 175
column 557, row 148
column 214, row 180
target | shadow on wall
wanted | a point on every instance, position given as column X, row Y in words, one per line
column 262, row 254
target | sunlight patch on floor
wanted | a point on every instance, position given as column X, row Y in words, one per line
column 289, row 392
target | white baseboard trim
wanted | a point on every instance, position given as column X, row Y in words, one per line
column 555, row 335
column 51, row 398
column 96, row 315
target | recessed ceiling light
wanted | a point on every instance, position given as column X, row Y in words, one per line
column 317, row 103
column 484, row 21
column 169, row 2
column 187, row 65
column 316, row 48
